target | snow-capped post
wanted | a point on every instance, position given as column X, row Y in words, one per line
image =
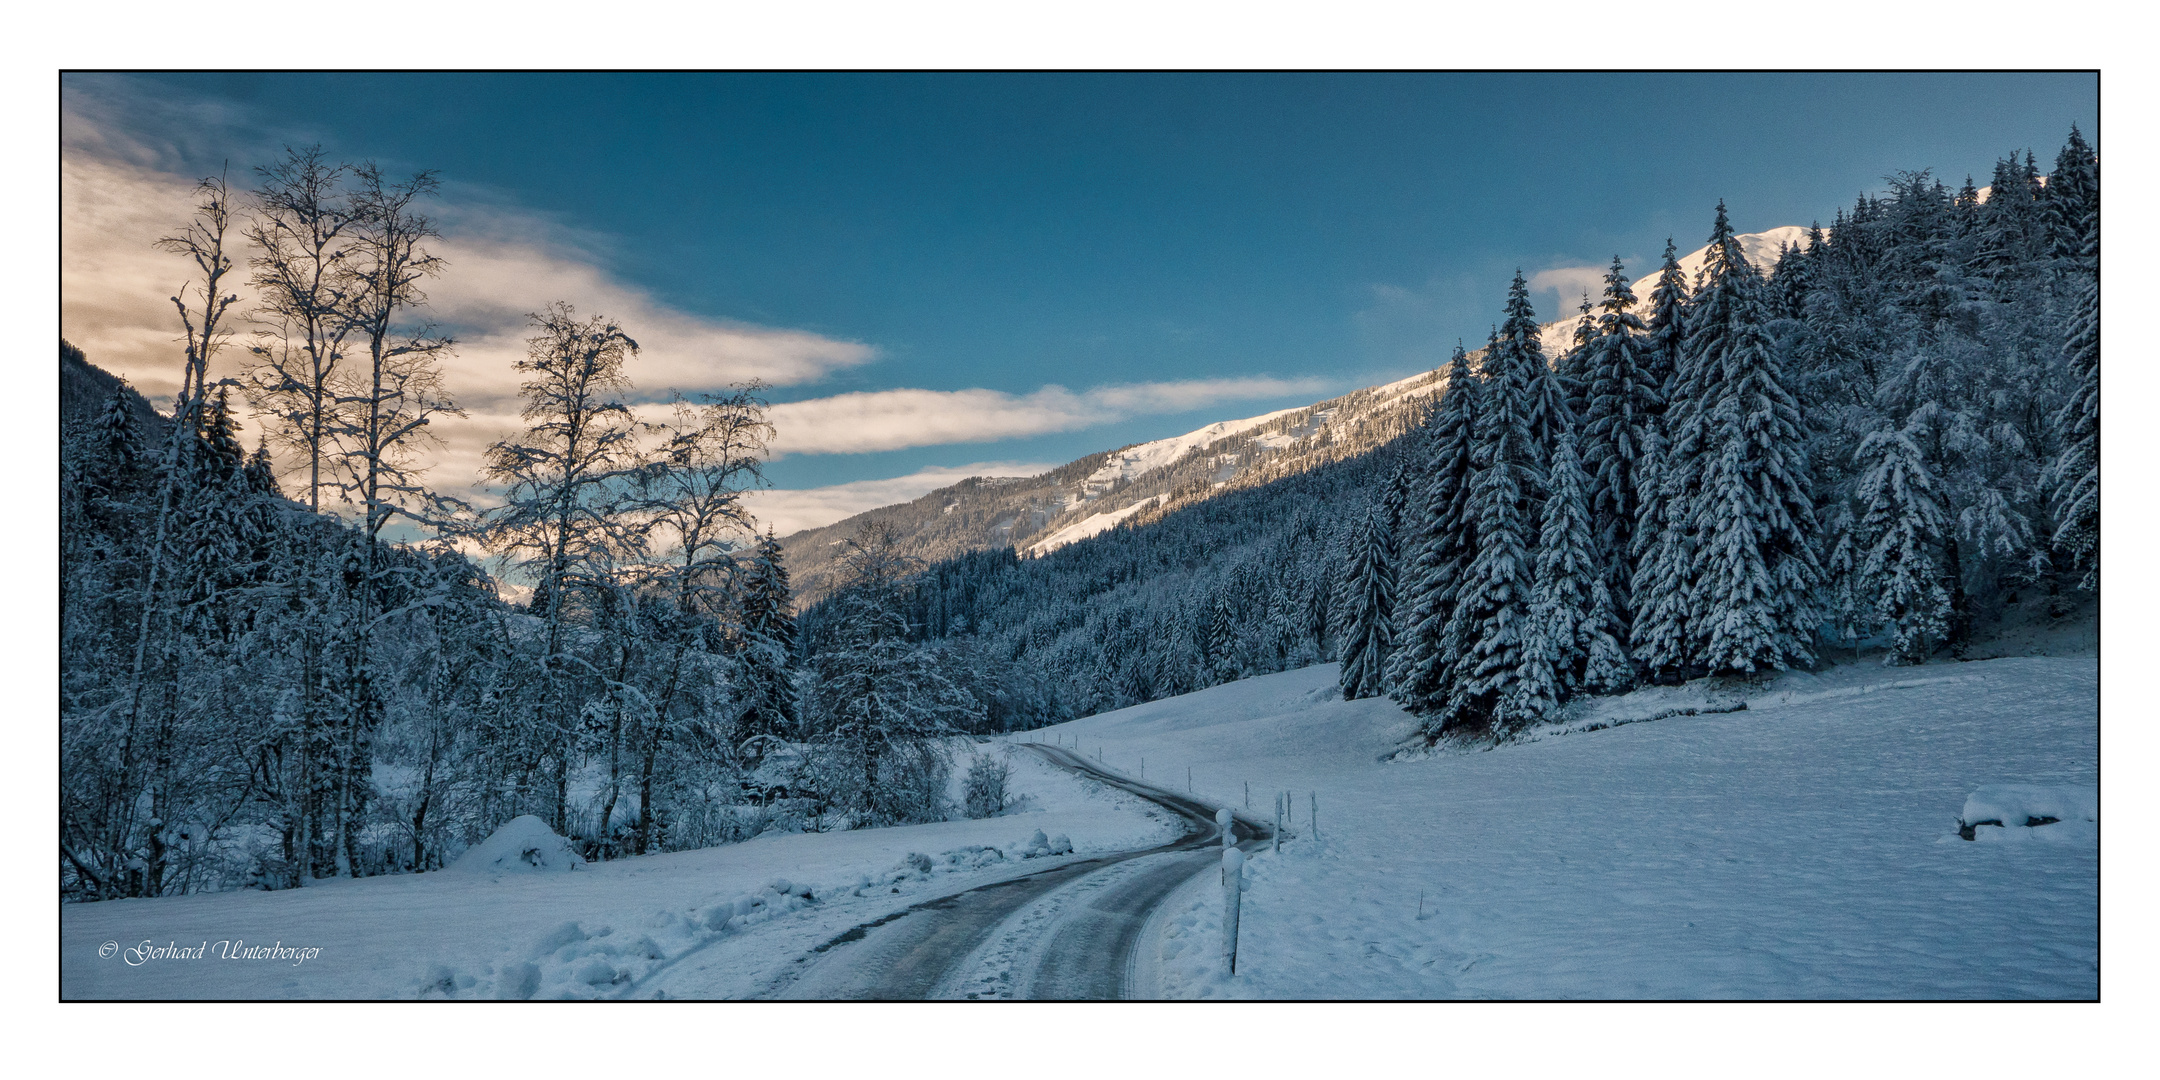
column 1277, row 839
column 1233, row 885
column 1222, row 821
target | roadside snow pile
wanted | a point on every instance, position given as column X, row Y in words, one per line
column 576, row 962
column 572, row 962
column 2027, row 806
column 1040, row 846
column 523, row 845
column 920, row 867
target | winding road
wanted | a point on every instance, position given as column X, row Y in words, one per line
column 1070, row 933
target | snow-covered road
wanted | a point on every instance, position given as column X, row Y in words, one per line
column 1066, row 934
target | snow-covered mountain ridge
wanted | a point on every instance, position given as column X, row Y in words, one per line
column 1133, row 485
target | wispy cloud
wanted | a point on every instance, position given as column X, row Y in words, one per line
column 1570, row 284
column 130, row 160
column 793, row 510
column 895, row 419
column 123, row 188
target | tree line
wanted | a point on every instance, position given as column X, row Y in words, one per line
column 1886, row 437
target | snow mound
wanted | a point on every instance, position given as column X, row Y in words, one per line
column 2028, row 805
column 523, row 845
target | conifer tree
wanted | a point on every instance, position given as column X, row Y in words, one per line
column 1624, row 401
column 1739, row 460
column 2076, row 471
column 2071, row 203
column 1369, row 601
column 1555, row 647
column 1494, row 599
column 1667, row 326
column 1606, row 667
column 1902, row 528
column 1575, row 367
column 767, row 694
column 1420, row 672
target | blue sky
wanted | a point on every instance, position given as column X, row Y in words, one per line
column 1259, row 241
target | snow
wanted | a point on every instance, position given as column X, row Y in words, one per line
column 712, row 923
column 1092, row 525
column 1760, row 248
column 2023, row 805
column 1146, row 457
column 1804, row 847
column 523, row 845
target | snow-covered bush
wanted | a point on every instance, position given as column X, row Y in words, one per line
column 986, row 794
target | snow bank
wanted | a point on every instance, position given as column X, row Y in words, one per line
column 2027, row 806
column 523, row 845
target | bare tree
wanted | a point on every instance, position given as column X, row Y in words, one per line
column 303, row 272
column 381, row 416
column 146, row 754
column 563, row 480
column 688, row 495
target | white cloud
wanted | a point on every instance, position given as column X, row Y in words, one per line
column 1570, row 283
column 121, row 190
column 791, row 510
column 126, row 181
column 894, row 419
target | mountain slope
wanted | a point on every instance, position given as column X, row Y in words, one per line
column 1137, row 484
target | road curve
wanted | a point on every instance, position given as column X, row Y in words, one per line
column 913, row 954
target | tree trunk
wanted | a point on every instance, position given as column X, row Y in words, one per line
column 1960, row 629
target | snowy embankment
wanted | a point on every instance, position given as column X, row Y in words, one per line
column 720, row 922
column 1806, row 846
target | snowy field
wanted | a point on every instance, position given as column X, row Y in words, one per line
column 1804, row 848
column 708, row 921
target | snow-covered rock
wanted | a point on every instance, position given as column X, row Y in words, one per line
column 523, row 845
column 2017, row 806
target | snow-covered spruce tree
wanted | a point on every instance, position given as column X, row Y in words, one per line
column 1221, row 649
column 2076, row 471
column 1901, row 530
column 1666, row 329
column 767, row 693
column 1369, row 603
column 1575, row 367
column 1740, row 451
column 1606, row 666
column 1493, row 601
column 1556, row 644
column 1849, row 611
column 1624, row 401
column 2070, row 204
column 1550, row 404
column 1436, row 547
